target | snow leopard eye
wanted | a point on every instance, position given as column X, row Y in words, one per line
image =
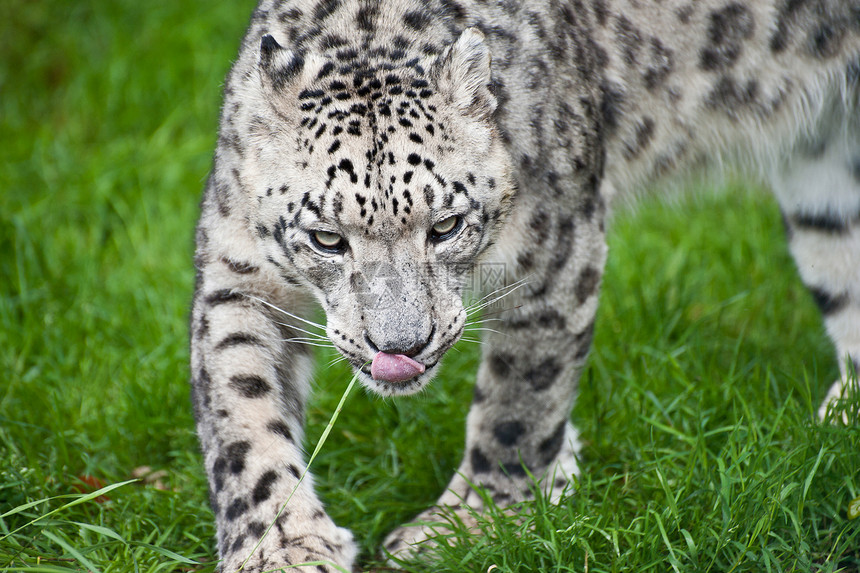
column 446, row 228
column 328, row 242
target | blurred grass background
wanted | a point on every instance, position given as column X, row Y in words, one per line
column 696, row 410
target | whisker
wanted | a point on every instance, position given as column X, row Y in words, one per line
column 482, row 320
column 482, row 305
column 335, row 361
column 305, row 339
column 291, row 315
column 485, row 330
column 513, row 285
column 500, row 311
column 300, row 329
column 307, row 343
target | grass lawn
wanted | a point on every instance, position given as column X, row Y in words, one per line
column 697, row 408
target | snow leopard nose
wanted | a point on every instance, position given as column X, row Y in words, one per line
column 408, row 346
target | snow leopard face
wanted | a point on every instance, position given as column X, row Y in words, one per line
column 379, row 190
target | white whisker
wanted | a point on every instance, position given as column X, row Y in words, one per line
column 291, row 315
column 308, row 332
column 511, row 286
column 482, row 320
column 307, row 342
column 472, row 309
column 484, row 330
column 499, row 311
column 335, row 361
column 305, row 339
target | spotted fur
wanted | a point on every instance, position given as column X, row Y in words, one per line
column 366, row 124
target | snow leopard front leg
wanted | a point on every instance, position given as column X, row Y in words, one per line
column 249, row 386
column 818, row 187
column 519, row 421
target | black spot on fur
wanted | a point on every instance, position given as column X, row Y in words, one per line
column 727, row 30
column 238, row 339
column 551, row 446
column 587, row 283
column 346, row 165
column 452, row 9
column 514, row 469
column 685, row 13
column 223, row 296
column 330, row 41
column 417, row 20
column 539, row 376
column 642, row 137
column 256, row 529
column 237, row 508
column 564, row 243
column 611, row 102
column 291, row 14
column 239, row 267
column 477, row 395
column 788, row 13
column 250, row 386
column 295, row 471
column 583, row 342
column 219, row 468
column 731, row 96
column 827, row 302
column 824, row 41
column 500, row 364
column 542, row 376
column 280, row 428
column 507, row 433
column 366, row 17
column 630, row 39
column 821, row 222
column 429, row 195
column 235, row 455
column 310, row 94
column 601, row 12
column 659, row 66
column 238, row 543
column 549, row 319
column 325, row 9
column 263, row 488
column 480, row 463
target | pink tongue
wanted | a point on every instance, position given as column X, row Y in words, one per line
column 394, row 367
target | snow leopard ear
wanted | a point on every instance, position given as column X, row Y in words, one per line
column 463, row 73
column 279, row 66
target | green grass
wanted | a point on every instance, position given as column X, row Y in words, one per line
column 700, row 454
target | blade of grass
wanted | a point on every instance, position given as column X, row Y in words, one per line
column 78, row 500
column 72, row 551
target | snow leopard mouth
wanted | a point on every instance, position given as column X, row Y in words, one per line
column 363, row 365
column 400, row 388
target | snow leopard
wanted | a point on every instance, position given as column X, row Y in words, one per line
column 372, row 153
